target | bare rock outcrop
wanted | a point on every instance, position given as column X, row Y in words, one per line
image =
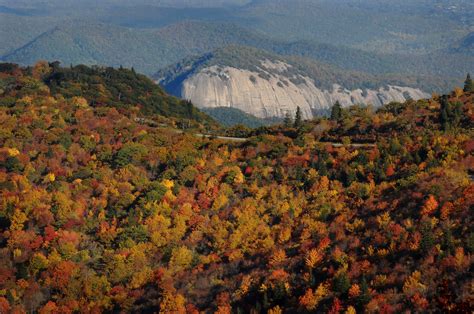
column 274, row 90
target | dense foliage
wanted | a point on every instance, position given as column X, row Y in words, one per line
column 121, row 88
column 101, row 213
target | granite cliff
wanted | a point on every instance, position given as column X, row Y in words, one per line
column 267, row 86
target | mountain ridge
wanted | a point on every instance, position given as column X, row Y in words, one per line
column 154, row 49
column 106, row 86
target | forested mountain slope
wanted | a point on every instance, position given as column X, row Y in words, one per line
column 148, row 50
column 100, row 213
column 100, row 86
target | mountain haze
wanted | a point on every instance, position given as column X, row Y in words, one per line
column 392, row 37
column 150, row 50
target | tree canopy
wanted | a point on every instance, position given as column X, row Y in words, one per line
column 102, row 210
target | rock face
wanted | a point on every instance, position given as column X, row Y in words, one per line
column 271, row 92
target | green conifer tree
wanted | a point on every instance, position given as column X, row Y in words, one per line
column 364, row 297
column 336, row 111
column 468, row 84
column 444, row 112
column 298, row 118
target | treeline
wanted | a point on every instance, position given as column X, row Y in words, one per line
column 121, row 88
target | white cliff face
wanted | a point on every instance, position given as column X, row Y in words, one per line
column 273, row 95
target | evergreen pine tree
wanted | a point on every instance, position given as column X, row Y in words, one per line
column 298, row 118
column 336, row 111
column 341, row 283
column 450, row 115
column 427, row 238
column 468, row 84
column 364, row 296
column 444, row 112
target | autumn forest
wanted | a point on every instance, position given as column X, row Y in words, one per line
column 110, row 203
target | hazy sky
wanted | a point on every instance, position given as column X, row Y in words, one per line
column 175, row 3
